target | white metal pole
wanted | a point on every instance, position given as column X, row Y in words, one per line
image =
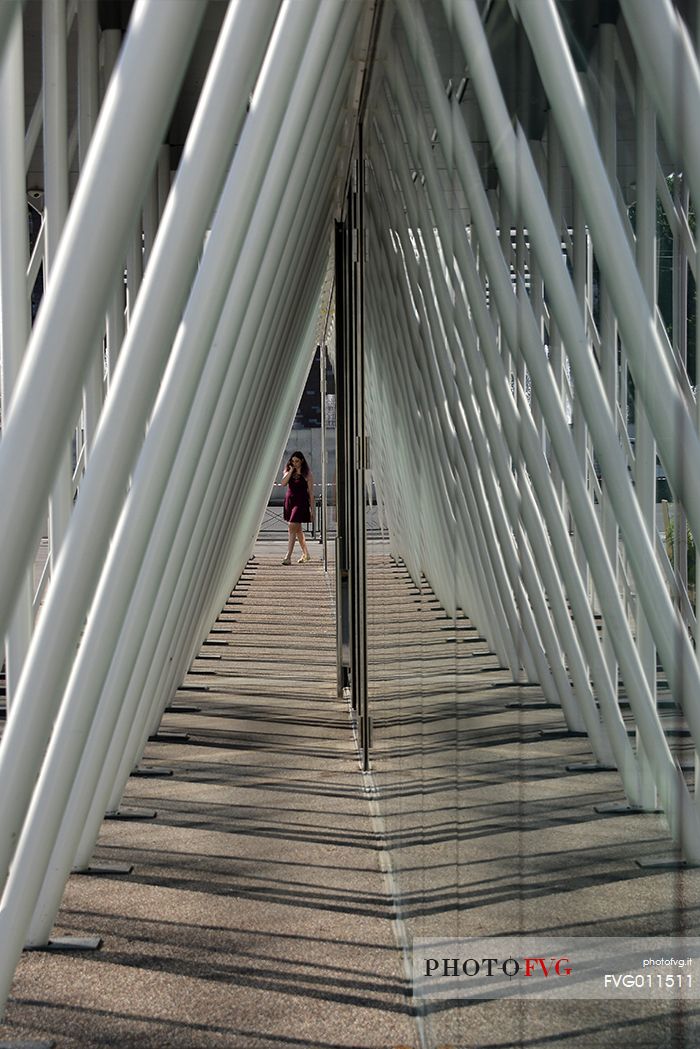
column 181, row 644
column 486, row 604
column 503, row 626
column 231, row 315
column 88, row 107
column 55, row 97
column 496, row 430
column 535, row 615
column 645, row 446
column 673, row 426
column 503, row 299
column 130, row 126
column 186, row 549
column 677, row 657
column 115, row 321
column 174, row 659
column 607, row 132
column 158, row 651
column 14, row 304
column 234, row 542
column 150, row 217
column 681, row 817
column 579, row 427
column 134, row 269
column 7, row 13
column 163, row 169
column 124, row 416
column 168, row 422
column 555, row 192
column 669, row 65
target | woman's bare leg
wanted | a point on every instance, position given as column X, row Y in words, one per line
column 302, row 541
column 292, row 529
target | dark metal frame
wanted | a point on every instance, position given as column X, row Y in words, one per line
column 351, row 604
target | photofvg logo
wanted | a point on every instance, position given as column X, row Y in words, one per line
column 510, row 967
column 538, row 967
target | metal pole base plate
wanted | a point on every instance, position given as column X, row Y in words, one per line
column 530, row 704
column 662, row 863
column 132, row 814
column 623, row 808
column 560, row 733
column 105, row 869
column 68, row 943
column 151, row 771
column 589, row 766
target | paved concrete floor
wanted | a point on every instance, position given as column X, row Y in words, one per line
column 262, row 908
column 256, row 915
column 490, row 833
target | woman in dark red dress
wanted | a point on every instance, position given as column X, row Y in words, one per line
column 298, row 502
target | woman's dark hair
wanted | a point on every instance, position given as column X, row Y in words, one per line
column 304, row 464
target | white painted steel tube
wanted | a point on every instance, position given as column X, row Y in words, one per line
column 607, row 325
column 265, row 335
column 55, row 96
column 186, row 638
column 497, row 431
column 478, row 526
column 398, row 365
column 518, row 430
column 678, row 660
column 483, row 499
column 13, row 213
column 14, row 303
column 129, row 129
column 501, row 501
column 675, row 431
column 229, row 550
column 470, row 576
column 167, row 424
column 482, row 503
column 105, row 757
column 150, row 218
column 134, row 269
column 160, row 653
column 670, row 68
column 151, row 472
column 125, row 414
column 645, row 446
column 88, row 108
column 33, row 132
column 425, row 424
column 8, row 9
column 204, row 618
column 115, row 322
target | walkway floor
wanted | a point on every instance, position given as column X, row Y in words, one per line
column 256, row 915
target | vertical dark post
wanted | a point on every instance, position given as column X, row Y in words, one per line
column 351, row 456
column 341, row 468
column 358, row 580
